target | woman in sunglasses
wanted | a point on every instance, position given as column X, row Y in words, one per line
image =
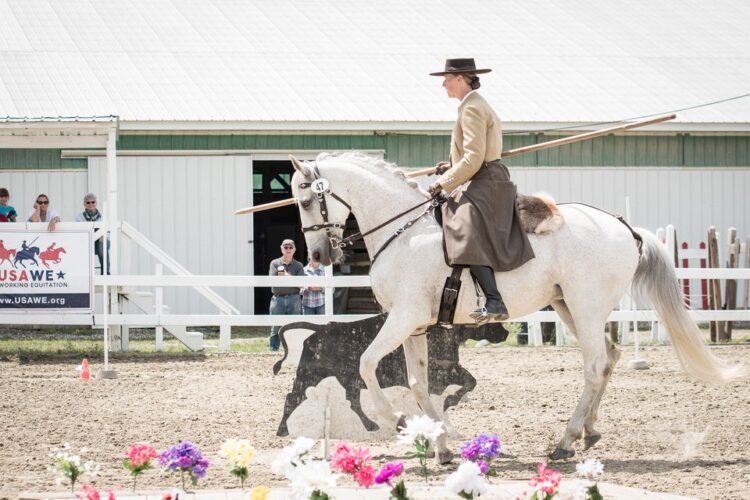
column 43, row 213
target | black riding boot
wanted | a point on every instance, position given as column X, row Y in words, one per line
column 494, row 307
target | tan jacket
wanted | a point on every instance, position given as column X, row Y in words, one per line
column 477, row 137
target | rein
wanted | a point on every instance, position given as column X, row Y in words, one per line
column 320, row 187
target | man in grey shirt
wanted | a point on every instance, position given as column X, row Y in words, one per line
column 286, row 299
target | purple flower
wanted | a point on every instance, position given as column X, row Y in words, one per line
column 470, row 451
column 484, row 467
column 184, row 457
column 388, row 472
column 484, row 446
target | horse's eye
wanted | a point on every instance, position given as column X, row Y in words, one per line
column 305, row 203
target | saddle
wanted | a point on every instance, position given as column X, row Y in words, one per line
column 538, row 213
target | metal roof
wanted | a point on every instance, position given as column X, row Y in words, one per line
column 348, row 64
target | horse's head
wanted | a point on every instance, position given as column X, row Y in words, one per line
column 322, row 212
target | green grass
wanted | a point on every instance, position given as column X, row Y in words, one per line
column 78, row 343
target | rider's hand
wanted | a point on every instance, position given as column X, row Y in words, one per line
column 442, row 167
column 435, row 189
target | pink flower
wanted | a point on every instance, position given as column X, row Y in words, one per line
column 388, row 472
column 342, row 459
column 89, row 493
column 547, row 480
column 140, row 455
column 365, row 476
column 354, row 461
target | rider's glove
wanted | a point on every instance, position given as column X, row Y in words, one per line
column 442, row 167
column 435, row 189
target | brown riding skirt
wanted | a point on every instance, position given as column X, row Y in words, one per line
column 481, row 224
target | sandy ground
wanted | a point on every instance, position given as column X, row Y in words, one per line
column 661, row 431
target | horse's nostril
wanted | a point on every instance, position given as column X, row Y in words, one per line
column 316, row 255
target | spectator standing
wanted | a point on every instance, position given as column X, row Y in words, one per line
column 285, row 300
column 313, row 299
column 7, row 212
column 91, row 213
column 43, row 213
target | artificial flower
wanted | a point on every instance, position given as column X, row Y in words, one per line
column 386, row 476
column 420, row 427
column 184, row 457
column 138, row 459
column 238, row 453
column 420, row 432
column 467, row 481
column 590, row 469
column 312, row 479
column 68, row 467
column 292, row 456
column 259, row 492
column 354, row 461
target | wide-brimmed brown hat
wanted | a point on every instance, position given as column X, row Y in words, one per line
column 464, row 65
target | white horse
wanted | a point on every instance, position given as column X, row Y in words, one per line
column 582, row 269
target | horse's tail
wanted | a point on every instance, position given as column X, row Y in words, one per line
column 656, row 280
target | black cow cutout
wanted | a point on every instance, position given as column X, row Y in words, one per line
column 334, row 350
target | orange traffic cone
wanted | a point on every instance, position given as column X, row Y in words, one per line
column 85, row 373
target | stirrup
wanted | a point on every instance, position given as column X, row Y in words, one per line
column 480, row 315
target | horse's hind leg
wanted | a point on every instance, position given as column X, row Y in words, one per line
column 596, row 369
column 415, row 352
column 591, row 436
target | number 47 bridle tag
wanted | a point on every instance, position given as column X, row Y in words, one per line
column 319, row 186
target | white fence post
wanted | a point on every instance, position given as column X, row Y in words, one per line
column 329, row 293
column 159, row 309
column 225, row 338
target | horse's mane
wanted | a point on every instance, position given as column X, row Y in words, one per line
column 366, row 160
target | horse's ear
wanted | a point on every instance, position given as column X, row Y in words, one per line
column 302, row 168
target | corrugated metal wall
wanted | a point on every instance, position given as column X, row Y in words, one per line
column 416, row 150
column 692, row 199
column 185, row 206
column 64, row 188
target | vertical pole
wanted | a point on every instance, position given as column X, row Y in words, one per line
column 746, row 294
column 159, row 309
column 113, row 215
column 731, row 289
column 329, row 293
column 704, row 283
column 105, row 304
column 715, row 285
column 686, row 282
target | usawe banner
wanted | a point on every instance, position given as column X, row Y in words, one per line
column 41, row 270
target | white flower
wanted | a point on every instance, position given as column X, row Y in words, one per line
column 467, row 479
column 292, row 456
column 422, row 426
column 590, row 469
column 310, row 476
column 572, row 490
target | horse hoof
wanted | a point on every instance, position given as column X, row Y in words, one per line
column 591, row 440
column 444, row 457
column 401, row 423
column 561, row 454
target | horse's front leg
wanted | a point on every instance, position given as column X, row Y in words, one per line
column 415, row 351
column 396, row 329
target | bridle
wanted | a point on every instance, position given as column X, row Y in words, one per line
column 321, row 188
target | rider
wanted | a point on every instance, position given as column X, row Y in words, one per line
column 24, row 246
column 51, row 247
column 481, row 224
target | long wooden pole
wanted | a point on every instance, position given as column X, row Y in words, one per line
column 511, row 152
column 563, row 141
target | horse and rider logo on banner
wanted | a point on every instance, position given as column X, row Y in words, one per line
column 43, row 270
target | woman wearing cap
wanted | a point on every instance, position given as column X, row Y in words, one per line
column 481, row 225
